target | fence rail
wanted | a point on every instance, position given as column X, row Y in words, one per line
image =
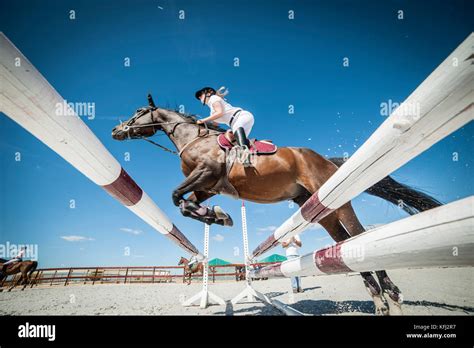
column 127, row 275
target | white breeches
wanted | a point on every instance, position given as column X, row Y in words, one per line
column 16, row 259
column 245, row 120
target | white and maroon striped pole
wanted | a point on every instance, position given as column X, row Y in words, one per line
column 438, row 107
column 28, row 99
column 440, row 237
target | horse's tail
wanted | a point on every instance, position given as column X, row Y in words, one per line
column 409, row 199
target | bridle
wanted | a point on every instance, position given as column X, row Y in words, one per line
column 144, row 111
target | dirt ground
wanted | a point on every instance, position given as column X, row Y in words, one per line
column 442, row 291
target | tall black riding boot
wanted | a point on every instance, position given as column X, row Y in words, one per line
column 244, row 145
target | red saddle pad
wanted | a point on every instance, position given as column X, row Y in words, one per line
column 256, row 146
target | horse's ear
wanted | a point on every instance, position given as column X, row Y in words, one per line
column 150, row 101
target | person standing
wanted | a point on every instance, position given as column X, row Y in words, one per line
column 292, row 245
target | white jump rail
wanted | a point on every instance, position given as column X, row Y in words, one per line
column 440, row 105
column 440, row 237
column 28, row 99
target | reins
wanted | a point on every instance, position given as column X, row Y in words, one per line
column 130, row 125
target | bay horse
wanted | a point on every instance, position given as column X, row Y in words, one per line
column 291, row 173
column 189, row 271
column 26, row 268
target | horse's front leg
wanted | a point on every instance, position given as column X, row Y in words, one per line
column 200, row 196
column 15, row 283
column 200, row 180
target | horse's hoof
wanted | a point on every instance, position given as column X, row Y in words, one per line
column 394, row 301
column 223, row 218
column 394, row 296
column 400, row 298
column 220, row 213
column 380, row 306
column 382, row 311
column 395, row 308
column 228, row 222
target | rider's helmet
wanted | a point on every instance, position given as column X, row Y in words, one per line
column 207, row 91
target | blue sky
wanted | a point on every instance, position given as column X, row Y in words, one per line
column 282, row 62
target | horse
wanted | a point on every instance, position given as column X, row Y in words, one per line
column 189, row 271
column 26, row 268
column 239, row 273
column 291, row 173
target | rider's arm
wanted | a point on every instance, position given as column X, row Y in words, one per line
column 219, row 112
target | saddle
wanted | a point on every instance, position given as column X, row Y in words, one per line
column 257, row 147
column 193, row 268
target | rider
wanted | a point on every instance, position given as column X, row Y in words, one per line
column 17, row 258
column 240, row 121
column 192, row 261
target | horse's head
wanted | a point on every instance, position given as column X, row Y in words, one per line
column 182, row 261
column 143, row 124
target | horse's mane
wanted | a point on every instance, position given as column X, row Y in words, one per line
column 194, row 118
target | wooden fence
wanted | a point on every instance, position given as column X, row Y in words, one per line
column 128, row 275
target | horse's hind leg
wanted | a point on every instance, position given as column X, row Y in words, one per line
column 26, row 279
column 390, row 291
column 339, row 233
column 341, row 224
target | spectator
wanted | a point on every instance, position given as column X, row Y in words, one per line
column 291, row 247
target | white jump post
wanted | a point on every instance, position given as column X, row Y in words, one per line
column 440, row 237
column 28, row 99
column 205, row 297
column 440, row 105
column 249, row 293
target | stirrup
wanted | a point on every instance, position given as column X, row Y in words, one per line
column 246, row 156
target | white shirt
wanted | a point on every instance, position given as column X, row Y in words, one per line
column 227, row 108
column 21, row 253
column 292, row 249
